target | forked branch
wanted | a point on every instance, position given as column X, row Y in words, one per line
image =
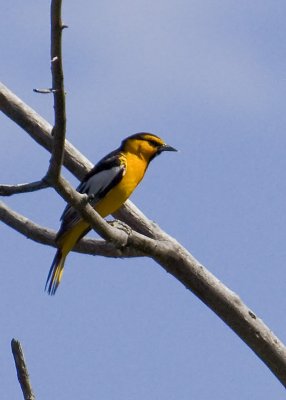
column 175, row 259
column 42, row 235
column 155, row 243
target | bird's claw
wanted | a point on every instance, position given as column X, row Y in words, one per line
column 90, row 197
column 123, row 227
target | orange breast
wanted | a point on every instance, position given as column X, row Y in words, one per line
column 135, row 170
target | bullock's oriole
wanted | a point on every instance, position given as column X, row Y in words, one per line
column 109, row 184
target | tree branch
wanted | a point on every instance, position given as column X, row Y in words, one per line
column 22, row 370
column 9, row 190
column 173, row 258
column 47, row 236
column 225, row 303
column 40, row 130
column 59, row 129
column 120, row 237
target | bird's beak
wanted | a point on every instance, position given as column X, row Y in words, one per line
column 166, row 147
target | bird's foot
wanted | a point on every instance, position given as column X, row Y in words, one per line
column 123, row 227
column 90, row 197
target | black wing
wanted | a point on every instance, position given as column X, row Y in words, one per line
column 97, row 183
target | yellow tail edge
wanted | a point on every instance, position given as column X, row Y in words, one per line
column 66, row 242
column 55, row 273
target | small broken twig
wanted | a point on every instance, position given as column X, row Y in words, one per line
column 22, row 371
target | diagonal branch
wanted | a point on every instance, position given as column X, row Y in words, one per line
column 176, row 260
column 169, row 254
column 47, row 236
column 165, row 250
column 40, row 130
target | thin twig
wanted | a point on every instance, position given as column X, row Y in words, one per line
column 9, row 190
column 22, row 370
column 44, row 91
column 59, row 129
column 40, row 130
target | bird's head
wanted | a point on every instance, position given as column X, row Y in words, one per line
column 145, row 145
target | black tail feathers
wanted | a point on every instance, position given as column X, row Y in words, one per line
column 55, row 273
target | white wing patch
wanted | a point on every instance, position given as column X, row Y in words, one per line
column 98, row 182
column 97, row 185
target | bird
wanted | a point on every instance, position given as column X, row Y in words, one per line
column 108, row 185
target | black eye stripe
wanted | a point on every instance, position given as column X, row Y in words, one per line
column 153, row 143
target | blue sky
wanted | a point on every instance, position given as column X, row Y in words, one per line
column 209, row 77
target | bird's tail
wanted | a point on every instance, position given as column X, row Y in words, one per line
column 56, row 272
column 65, row 241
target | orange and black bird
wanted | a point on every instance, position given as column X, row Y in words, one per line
column 109, row 184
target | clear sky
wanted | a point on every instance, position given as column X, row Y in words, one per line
column 209, row 76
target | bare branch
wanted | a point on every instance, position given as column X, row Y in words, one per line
column 9, row 190
column 132, row 216
column 46, row 236
column 176, row 260
column 40, row 130
column 167, row 252
column 59, row 129
column 226, row 304
column 181, row 264
column 22, row 370
column 26, row 227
